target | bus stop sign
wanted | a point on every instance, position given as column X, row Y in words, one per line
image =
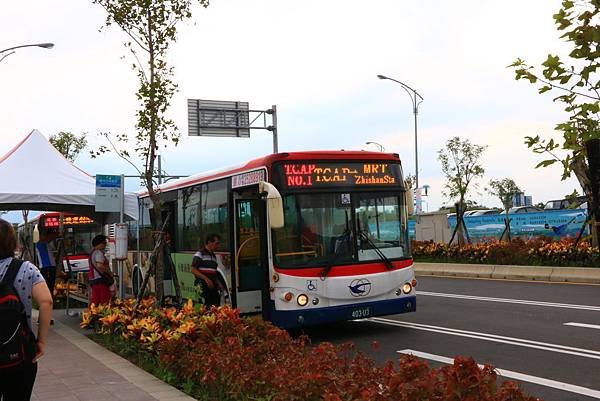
column 108, row 193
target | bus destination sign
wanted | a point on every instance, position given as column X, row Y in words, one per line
column 67, row 220
column 316, row 174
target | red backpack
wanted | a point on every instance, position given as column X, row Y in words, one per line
column 17, row 342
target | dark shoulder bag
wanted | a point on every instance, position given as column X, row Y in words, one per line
column 103, row 278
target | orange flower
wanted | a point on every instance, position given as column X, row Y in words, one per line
column 110, row 319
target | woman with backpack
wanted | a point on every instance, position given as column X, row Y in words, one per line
column 20, row 283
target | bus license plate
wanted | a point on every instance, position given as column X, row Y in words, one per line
column 361, row 313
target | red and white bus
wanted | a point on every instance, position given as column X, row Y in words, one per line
column 78, row 234
column 307, row 237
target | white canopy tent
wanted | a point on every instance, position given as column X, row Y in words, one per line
column 35, row 176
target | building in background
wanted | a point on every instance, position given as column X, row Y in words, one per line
column 520, row 199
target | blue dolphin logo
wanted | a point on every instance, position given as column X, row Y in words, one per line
column 360, row 287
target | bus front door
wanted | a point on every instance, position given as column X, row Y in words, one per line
column 251, row 264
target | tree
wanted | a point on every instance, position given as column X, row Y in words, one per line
column 68, row 144
column 151, row 30
column 577, row 84
column 505, row 190
column 410, row 181
column 460, row 165
column 574, row 199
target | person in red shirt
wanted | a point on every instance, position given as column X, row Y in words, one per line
column 101, row 293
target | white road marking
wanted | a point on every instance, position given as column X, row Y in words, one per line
column 587, row 326
column 520, row 342
column 514, row 375
column 511, row 301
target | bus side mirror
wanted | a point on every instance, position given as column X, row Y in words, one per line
column 410, row 201
column 274, row 204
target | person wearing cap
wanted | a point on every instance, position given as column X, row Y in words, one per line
column 101, row 293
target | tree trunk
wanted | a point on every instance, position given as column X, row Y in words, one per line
column 594, row 215
column 460, row 232
column 157, row 226
column 588, row 176
column 506, row 232
column 156, row 198
column 593, row 155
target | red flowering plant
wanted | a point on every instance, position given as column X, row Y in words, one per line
column 541, row 251
column 216, row 354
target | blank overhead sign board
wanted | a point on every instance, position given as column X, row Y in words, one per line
column 218, row 118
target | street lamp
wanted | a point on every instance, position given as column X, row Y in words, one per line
column 416, row 102
column 11, row 50
column 380, row 146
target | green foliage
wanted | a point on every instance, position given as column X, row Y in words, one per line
column 576, row 84
column 68, row 144
column 410, row 180
column 460, row 164
column 573, row 199
column 151, row 27
column 505, row 190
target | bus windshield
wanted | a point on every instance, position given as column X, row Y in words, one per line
column 340, row 228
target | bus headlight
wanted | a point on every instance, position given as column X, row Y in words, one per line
column 406, row 288
column 287, row 297
column 302, row 299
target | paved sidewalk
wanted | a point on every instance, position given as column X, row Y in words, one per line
column 75, row 368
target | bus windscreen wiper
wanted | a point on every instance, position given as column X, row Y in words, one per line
column 346, row 236
column 337, row 246
column 385, row 259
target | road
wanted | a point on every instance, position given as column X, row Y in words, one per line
column 546, row 336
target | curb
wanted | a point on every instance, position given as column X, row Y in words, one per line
column 586, row 275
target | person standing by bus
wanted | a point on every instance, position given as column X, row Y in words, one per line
column 99, row 273
column 16, row 382
column 204, row 268
column 46, row 260
column 45, row 256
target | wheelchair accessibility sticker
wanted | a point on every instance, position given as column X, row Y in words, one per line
column 311, row 285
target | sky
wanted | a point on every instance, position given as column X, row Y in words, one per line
column 317, row 61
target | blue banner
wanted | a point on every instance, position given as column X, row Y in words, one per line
column 551, row 223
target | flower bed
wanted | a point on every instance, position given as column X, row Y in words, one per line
column 218, row 355
column 535, row 252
